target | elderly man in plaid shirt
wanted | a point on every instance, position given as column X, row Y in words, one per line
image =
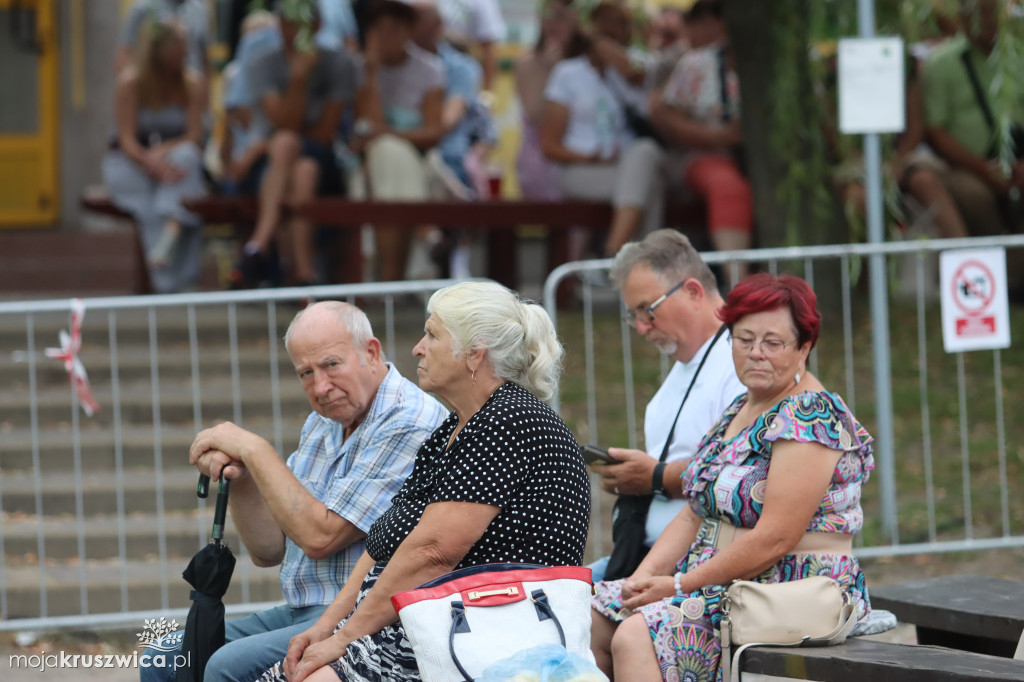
column 310, row 513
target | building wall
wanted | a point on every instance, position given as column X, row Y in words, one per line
column 88, row 43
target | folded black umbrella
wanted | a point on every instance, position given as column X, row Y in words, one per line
column 209, row 573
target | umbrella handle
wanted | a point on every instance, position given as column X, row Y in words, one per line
column 203, row 488
column 222, row 509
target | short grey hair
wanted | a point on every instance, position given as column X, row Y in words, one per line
column 669, row 255
column 354, row 319
column 518, row 336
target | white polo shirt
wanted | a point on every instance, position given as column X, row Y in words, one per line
column 715, row 389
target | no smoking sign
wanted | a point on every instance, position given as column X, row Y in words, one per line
column 975, row 310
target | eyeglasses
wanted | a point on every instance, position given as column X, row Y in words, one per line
column 769, row 347
column 647, row 314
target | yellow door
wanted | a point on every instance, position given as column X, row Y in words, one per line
column 28, row 113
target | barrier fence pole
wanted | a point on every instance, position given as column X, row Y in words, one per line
column 197, row 412
column 37, row 475
column 879, row 310
column 115, row 404
column 926, row 418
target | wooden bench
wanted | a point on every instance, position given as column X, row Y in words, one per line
column 860, row 660
column 499, row 218
column 973, row 613
column 101, row 204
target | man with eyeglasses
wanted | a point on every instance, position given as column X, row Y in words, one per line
column 671, row 297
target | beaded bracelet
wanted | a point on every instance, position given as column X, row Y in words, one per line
column 676, row 582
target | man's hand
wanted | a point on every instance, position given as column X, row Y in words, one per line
column 311, row 650
column 632, row 476
column 647, row 590
column 229, row 445
column 215, row 464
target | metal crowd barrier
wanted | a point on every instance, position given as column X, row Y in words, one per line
column 251, row 324
column 904, row 514
column 220, row 356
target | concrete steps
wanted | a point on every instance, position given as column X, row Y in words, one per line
column 175, row 402
column 133, row 364
column 144, row 580
column 128, row 546
column 185, row 532
column 159, row 512
column 98, row 450
column 142, row 495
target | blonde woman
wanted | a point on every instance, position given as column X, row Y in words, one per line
column 501, row 480
column 155, row 160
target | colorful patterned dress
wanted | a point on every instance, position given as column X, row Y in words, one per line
column 726, row 480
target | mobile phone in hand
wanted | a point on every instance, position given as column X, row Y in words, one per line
column 594, row 455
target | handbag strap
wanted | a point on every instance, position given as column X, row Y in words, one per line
column 730, row 663
column 979, row 95
column 672, row 429
column 723, row 86
column 461, row 625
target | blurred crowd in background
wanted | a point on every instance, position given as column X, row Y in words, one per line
column 388, row 100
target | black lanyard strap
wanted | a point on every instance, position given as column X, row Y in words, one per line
column 672, row 431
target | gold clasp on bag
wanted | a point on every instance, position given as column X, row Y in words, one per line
column 504, row 592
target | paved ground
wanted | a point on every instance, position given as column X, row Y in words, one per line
column 120, row 643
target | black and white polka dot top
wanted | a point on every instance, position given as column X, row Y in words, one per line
column 514, row 453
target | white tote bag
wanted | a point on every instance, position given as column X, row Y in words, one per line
column 465, row 620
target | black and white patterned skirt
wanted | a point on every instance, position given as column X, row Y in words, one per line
column 385, row 656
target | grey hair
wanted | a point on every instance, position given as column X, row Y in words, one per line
column 354, row 319
column 669, row 255
column 518, row 336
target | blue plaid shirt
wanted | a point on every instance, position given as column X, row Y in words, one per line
column 355, row 477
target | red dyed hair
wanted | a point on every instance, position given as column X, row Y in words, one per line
column 763, row 292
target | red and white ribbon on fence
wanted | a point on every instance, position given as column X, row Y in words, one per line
column 70, row 345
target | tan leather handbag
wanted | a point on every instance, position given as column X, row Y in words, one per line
column 808, row 612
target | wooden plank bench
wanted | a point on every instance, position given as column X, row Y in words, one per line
column 101, row 204
column 860, row 659
column 973, row 613
column 499, row 218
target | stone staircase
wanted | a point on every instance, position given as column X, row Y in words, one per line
column 122, row 530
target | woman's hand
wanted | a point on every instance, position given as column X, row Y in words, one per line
column 629, row 588
column 646, row 590
column 155, row 163
column 311, row 650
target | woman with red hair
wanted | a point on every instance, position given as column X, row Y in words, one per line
column 774, row 495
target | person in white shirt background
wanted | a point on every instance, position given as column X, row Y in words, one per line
column 584, row 130
column 672, row 298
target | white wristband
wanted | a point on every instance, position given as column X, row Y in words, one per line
column 676, row 582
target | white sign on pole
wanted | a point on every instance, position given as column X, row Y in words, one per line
column 975, row 306
column 872, row 85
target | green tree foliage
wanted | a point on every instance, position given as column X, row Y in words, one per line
column 784, row 53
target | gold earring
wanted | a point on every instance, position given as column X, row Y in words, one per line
column 474, row 377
